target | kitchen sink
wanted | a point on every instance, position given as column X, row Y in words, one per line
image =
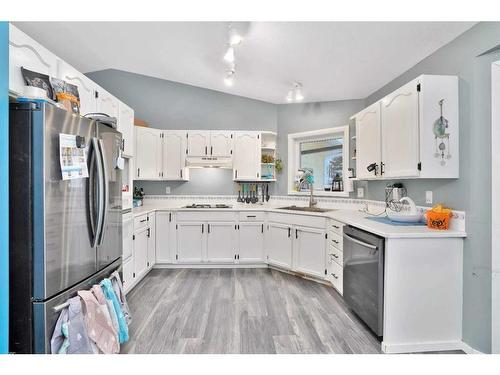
column 306, row 209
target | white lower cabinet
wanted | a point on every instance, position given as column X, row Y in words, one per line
column 190, row 240
column 164, row 248
column 141, row 252
column 279, row 245
column 309, row 246
column 151, row 240
column 220, row 242
column 251, row 242
column 128, row 274
column 335, row 275
column 127, row 236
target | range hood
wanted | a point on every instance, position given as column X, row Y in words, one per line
column 209, row 162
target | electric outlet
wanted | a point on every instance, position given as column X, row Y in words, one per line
column 428, row 197
column 361, row 192
column 167, row 190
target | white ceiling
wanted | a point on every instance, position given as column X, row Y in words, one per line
column 332, row 60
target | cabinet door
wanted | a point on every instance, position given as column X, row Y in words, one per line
column 106, row 102
column 309, row 251
column 400, row 133
column 148, row 152
column 174, row 155
column 198, row 142
column 86, row 88
column 279, row 240
column 221, row 143
column 128, row 232
column 128, row 274
column 151, row 239
column 220, row 242
column 251, row 242
column 141, row 252
column 190, row 242
column 27, row 53
column 126, row 127
column 246, row 156
column 163, row 248
column 368, row 141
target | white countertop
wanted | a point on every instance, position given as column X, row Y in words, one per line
column 350, row 217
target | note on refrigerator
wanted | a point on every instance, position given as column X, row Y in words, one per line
column 73, row 157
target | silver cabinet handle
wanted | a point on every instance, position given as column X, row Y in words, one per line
column 349, row 238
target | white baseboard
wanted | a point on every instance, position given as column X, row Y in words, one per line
column 209, row 266
column 422, row 347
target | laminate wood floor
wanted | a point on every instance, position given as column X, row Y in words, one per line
column 241, row 311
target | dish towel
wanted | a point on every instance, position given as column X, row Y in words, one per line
column 79, row 342
column 118, row 288
column 99, row 326
column 110, row 295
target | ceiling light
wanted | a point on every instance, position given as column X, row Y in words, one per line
column 229, row 78
column 234, row 37
column 295, row 94
column 229, row 55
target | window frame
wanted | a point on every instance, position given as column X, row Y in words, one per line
column 294, row 141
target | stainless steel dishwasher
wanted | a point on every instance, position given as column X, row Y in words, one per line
column 364, row 276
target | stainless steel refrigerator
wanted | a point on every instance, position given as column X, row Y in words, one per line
column 65, row 235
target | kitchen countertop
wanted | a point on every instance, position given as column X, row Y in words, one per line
column 350, row 217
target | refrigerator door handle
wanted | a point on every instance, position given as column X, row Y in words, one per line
column 91, row 196
column 100, row 189
column 105, row 183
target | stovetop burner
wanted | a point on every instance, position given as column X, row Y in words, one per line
column 207, row 206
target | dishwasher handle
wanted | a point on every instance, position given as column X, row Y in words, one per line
column 370, row 246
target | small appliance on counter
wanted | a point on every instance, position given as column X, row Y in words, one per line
column 138, row 196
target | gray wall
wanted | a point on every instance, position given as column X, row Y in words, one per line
column 170, row 105
column 472, row 191
column 293, row 118
column 181, row 106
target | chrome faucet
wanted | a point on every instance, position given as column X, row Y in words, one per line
column 307, row 178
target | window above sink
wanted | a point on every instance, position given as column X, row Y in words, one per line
column 325, row 152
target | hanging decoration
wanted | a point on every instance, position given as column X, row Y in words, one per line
column 442, row 138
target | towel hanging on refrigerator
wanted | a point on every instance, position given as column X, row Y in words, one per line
column 110, row 295
column 118, row 288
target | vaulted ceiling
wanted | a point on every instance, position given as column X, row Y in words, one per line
column 332, row 60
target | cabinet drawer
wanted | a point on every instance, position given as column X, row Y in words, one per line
column 335, row 255
column 140, row 221
column 335, row 276
column 336, row 241
column 298, row 219
column 251, row 216
column 336, row 227
column 205, row 216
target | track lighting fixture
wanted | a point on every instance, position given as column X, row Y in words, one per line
column 229, row 55
column 229, row 78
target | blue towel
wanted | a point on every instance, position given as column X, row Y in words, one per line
column 386, row 220
column 109, row 293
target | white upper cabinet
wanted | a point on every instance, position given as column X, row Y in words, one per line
column 106, row 103
column 412, row 132
column 246, row 156
column 368, row 138
column 148, row 147
column 86, row 87
column 174, row 155
column 126, row 127
column 198, row 142
column 400, row 143
column 26, row 52
column 221, row 143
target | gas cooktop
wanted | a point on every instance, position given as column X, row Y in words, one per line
column 208, row 206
